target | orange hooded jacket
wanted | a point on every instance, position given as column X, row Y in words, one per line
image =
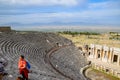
column 22, row 64
column 22, row 67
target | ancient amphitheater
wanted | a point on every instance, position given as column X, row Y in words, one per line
column 52, row 57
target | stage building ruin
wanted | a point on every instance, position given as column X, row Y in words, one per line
column 104, row 58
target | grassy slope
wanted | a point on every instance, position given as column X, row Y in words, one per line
column 99, row 75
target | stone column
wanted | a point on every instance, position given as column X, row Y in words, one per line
column 101, row 53
column 106, row 50
column 92, row 50
column 111, row 58
column 96, row 54
column 112, row 55
column 107, row 55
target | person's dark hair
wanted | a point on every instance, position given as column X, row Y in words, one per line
column 22, row 56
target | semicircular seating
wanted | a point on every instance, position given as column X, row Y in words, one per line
column 34, row 46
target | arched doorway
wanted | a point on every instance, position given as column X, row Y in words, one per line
column 98, row 53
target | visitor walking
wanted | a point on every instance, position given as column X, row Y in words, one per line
column 22, row 65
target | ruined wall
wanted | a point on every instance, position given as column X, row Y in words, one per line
column 105, row 58
column 5, row 28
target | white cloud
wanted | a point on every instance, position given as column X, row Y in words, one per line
column 106, row 16
column 42, row 2
column 107, row 4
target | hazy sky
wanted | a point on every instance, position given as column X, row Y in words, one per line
column 19, row 13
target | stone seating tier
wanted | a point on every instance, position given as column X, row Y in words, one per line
column 34, row 46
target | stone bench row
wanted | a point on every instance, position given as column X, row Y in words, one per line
column 66, row 62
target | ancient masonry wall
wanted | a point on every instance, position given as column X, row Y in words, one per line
column 104, row 58
column 5, row 28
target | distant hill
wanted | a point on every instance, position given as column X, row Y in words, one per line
column 73, row 28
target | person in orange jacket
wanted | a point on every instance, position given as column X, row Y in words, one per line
column 22, row 67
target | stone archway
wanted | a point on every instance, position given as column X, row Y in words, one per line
column 98, row 53
column 115, row 58
column 105, row 54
